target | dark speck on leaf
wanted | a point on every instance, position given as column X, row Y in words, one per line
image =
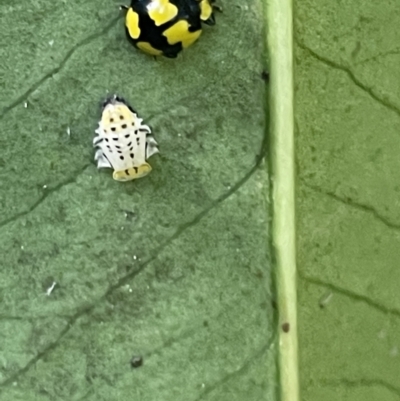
column 286, row 327
column 129, row 215
column 265, row 76
column 136, row 361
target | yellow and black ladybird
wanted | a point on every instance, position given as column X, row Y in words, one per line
column 165, row 27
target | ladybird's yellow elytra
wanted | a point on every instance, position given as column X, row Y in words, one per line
column 132, row 173
column 166, row 27
column 179, row 32
column 206, row 10
column 161, row 11
column 132, row 23
column 148, row 48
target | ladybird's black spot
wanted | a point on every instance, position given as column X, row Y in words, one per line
column 121, row 157
column 136, row 361
column 111, row 120
column 127, row 172
column 137, row 141
column 118, row 147
column 124, row 126
column 121, row 117
column 132, row 155
column 131, row 148
column 113, row 129
column 127, row 135
column 133, row 124
column 136, row 169
column 106, row 139
column 129, row 144
column 119, row 151
column 115, row 139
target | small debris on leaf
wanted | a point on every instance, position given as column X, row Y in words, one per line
column 51, row 288
column 325, row 299
column 286, row 327
column 136, row 361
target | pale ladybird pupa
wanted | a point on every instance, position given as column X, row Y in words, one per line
column 122, row 142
